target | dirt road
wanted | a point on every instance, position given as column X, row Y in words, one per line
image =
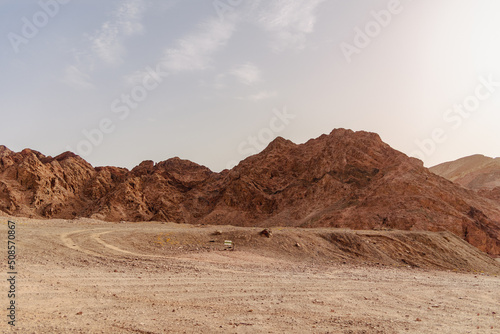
column 95, row 277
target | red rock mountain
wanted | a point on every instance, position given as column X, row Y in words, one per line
column 475, row 172
column 344, row 179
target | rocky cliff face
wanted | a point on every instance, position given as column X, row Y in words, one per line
column 345, row 179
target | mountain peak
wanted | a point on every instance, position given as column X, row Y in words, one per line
column 28, row 152
column 476, row 172
column 341, row 132
column 4, row 151
column 279, row 143
column 66, row 155
column 178, row 164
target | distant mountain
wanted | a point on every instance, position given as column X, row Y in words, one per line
column 344, row 179
column 475, row 172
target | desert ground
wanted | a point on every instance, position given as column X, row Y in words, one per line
column 89, row 276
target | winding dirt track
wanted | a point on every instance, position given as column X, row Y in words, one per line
column 96, row 277
column 67, row 240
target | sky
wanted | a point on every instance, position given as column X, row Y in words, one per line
column 215, row 81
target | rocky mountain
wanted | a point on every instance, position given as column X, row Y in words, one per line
column 344, row 179
column 473, row 172
column 476, row 172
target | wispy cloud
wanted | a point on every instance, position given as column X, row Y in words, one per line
column 73, row 76
column 289, row 21
column 194, row 51
column 105, row 46
column 247, row 74
column 125, row 22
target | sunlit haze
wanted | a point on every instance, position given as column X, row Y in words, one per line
column 119, row 82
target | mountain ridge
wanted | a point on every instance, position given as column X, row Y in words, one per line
column 343, row 179
column 477, row 172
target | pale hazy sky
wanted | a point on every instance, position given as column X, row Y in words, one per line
column 119, row 82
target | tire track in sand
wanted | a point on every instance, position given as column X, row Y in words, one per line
column 97, row 238
column 68, row 242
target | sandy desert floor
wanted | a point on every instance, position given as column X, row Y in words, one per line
column 95, row 277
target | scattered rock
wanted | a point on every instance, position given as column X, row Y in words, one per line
column 266, row 233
